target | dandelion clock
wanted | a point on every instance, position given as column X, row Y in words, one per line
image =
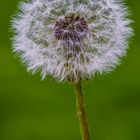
column 72, row 40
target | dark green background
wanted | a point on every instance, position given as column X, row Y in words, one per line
column 31, row 109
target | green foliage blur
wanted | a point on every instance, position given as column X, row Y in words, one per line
column 31, row 109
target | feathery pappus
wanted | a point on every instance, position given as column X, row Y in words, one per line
column 71, row 39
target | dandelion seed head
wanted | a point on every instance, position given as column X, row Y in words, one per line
column 71, row 40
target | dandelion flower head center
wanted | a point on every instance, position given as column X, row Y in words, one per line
column 72, row 27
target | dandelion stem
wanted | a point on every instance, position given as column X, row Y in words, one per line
column 81, row 112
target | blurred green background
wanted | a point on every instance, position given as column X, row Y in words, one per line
column 31, row 109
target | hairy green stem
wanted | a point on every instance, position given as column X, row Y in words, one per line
column 81, row 112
